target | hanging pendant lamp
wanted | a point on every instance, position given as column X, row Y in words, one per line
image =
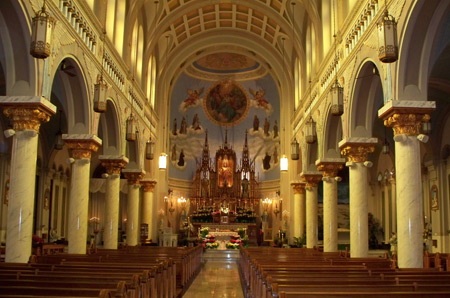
column 387, row 39
column 41, row 34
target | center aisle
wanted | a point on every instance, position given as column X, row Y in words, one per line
column 219, row 276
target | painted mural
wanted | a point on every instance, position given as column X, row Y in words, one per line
column 237, row 107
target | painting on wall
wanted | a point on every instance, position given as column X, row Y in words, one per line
column 226, row 103
column 198, row 106
column 434, row 198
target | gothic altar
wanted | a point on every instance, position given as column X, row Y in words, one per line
column 225, row 192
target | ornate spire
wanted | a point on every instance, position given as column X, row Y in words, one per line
column 245, row 156
column 205, row 154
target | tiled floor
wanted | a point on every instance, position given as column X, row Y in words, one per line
column 218, row 278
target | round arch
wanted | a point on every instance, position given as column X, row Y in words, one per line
column 109, row 130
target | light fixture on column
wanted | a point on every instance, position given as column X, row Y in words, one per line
column 131, row 128
column 385, row 148
column 59, row 143
column 336, row 91
column 387, row 38
column 426, row 128
column 41, row 34
column 295, row 150
column 163, row 155
column 100, row 88
column 311, row 135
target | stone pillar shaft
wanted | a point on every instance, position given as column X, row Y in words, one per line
column 312, row 216
column 406, row 118
column 357, row 151
column 26, row 115
column 147, row 204
column 330, row 168
column 132, row 229
column 113, row 167
column 81, row 148
column 299, row 209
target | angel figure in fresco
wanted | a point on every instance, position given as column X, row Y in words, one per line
column 266, row 127
column 174, row 131
column 275, row 130
column 183, row 127
column 258, row 96
column 196, row 122
column 192, row 100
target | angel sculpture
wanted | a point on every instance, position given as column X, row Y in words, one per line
column 194, row 95
column 258, row 96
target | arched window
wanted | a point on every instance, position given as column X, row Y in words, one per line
column 140, row 53
column 110, row 18
column 151, row 77
column 119, row 25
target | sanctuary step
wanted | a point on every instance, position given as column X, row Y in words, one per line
column 221, row 255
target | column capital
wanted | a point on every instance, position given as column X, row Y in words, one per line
column 298, row 186
column 406, row 116
column 113, row 164
column 330, row 166
column 312, row 179
column 357, row 149
column 27, row 112
column 148, row 185
column 81, row 146
column 133, row 175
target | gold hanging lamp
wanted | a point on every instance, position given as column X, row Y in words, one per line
column 41, row 34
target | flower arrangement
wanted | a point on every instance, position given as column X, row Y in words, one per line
column 231, row 245
column 212, row 245
column 37, row 240
column 241, row 232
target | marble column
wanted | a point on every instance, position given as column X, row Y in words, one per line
column 299, row 209
column 357, row 150
column 26, row 115
column 312, row 179
column 113, row 166
column 330, row 168
column 406, row 117
column 133, row 176
column 80, row 148
column 394, row 203
column 147, row 204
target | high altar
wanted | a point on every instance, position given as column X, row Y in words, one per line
column 225, row 193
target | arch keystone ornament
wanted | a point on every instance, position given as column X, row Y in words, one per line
column 405, row 118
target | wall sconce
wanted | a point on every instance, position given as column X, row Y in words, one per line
column 283, row 163
column 266, row 203
column 182, row 202
column 163, row 161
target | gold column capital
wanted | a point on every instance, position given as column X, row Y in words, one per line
column 312, row 180
column 133, row 176
column 82, row 147
column 330, row 169
column 114, row 165
column 27, row 115
column 299, row 187
column 406, row 124
column 406, row 117
column 357, row 152
column 148, row 185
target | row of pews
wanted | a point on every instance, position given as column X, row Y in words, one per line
column 131, row 272
column 287, row 273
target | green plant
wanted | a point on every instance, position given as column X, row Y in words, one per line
column 375, row 231
column 300, row 241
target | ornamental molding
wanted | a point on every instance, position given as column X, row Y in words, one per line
column 113, row 165
column 357, row 152
column 312, row 179
column 406, row 117
column 148, row 185
column 27, row 112
column 82, row 147
column 133, row 176
column 299, row 187
column 330, row 169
